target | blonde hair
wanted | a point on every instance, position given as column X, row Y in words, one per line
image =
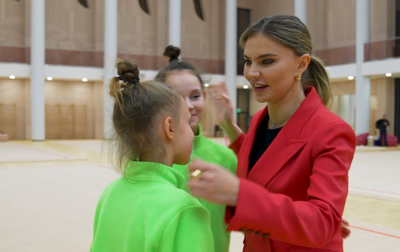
column 138, row 109
column 292, row 33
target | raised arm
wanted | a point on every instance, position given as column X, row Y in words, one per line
column 223, row 110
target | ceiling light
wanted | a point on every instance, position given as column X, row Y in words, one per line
column 388, row 74
column 84, row 79
column 12, row 77
column 245, row 86
column 350, row 77
column 49, row 78
column 206, row 84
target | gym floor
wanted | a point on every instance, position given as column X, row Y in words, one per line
column 49, row 191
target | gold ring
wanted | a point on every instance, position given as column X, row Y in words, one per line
column 196, row 174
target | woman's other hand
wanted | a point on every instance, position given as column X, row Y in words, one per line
column 345, row 229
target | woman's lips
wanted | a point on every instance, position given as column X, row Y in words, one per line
column 259, row 87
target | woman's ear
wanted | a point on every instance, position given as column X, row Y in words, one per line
column 168, row 128
column 304, row 61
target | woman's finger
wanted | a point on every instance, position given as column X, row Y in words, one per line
column 198, row 188
column 199, row 165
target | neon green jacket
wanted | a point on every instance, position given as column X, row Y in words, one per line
column 149, row 212
column 211, row 152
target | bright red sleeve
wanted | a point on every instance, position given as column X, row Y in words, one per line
column 235, row 146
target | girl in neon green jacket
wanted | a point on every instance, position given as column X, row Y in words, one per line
column 187, row 80
column 146, row 209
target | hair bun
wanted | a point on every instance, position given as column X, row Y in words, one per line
column 172, row 52
column 128, row 72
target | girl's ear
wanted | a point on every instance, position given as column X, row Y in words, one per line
column 168, row 128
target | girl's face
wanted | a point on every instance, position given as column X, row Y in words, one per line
column 271, row 68
column 190, row 87
column 184, row 137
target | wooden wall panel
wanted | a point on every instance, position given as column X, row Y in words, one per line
column 66, row 121
column 8, row 119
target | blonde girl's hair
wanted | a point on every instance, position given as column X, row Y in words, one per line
column 138, row 109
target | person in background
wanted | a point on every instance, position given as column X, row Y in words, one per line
column 293, row 164
column 381, row 124
column 146, row 209
column 186, row 79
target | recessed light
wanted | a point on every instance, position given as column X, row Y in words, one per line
column 350, row 77
column 49, row 78
column 84, row 79
column 245, row 86
column 12, row 77
column 388, row 74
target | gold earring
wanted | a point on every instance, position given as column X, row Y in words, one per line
column 298, row 77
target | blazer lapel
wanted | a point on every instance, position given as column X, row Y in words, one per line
column 286, row 144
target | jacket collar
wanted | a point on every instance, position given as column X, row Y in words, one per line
column 198, row 138
column 139, row 171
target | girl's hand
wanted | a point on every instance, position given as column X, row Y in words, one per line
column 221, row 103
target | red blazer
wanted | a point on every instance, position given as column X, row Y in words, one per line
column 294, row 196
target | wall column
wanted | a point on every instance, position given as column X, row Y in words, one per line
column 174, row 30
column 300, row 10
column 363, row 83
column 346, row 108
column 230, row 50
column 37, row 70
column 110, row 56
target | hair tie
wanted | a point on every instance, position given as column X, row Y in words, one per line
column 131, row 81
column 136, row 79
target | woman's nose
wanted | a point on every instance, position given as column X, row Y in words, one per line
column 253, row 72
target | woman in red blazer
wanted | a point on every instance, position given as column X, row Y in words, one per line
column 293, row 163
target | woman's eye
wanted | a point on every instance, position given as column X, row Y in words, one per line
column 247, row 62
column 195, row 96
column 267, row 61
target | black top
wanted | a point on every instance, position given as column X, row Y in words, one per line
column 264, row 138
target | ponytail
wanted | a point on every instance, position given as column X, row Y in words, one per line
column 317, row 76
